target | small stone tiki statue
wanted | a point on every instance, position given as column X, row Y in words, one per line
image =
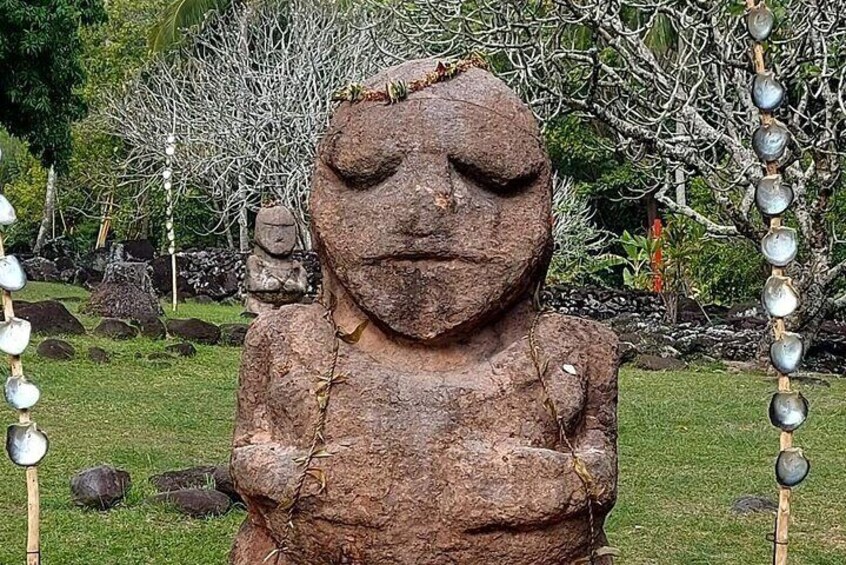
column 423, row 412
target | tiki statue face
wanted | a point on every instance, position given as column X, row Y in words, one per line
column 434, row 213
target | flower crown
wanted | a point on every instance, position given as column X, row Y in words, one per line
column 397, row 91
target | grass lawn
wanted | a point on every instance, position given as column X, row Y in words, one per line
column 689, row 444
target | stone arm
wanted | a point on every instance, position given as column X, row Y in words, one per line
column 581, row 381
column 251, row 421
column 514, row 486
column 266, row 450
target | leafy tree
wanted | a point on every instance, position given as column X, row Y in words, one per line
column 41, row 71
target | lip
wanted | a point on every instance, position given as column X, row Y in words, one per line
column 430, row 256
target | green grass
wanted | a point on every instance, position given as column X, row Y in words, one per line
column 690, row 442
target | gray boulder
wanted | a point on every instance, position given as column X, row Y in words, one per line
column 99, row 488
column 197, row 503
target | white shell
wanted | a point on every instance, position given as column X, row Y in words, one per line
column 760, row 22
column 786, row 353
column 791, row 467
column 20, row 393
column 12, row 275
column 170, row 150
column 780, row 246
column 26, row 445
column 7, row 212
column 171, row 139
column 773, row 197
column 770, row 141
column 767, row 92
column 14, row 336
column 780, row 298
column 166, row 174
column 788, row 410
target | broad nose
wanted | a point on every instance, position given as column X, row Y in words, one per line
column 430, row 191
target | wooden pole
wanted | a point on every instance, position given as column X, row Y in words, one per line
column 173, row 282
column 33, row 495
column 106, row 222
column 780, row 552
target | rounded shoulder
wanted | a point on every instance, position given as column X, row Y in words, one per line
column 563, row 337
column 288, row 326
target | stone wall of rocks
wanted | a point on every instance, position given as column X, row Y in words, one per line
column 217, row 274
column 716, row 332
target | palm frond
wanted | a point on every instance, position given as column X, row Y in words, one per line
column 178, row 16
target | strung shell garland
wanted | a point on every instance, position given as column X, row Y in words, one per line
column 767, row 92
column 788, row 410
column 780, row 297
column 770, row 141
column 786, row 353
column 12, row 275
column 760, row 22
column 14, row 336
column 773, row 196
column 26, row 445
column 780, row 246
column 792, row 467
column 20, row 393
column 7, row 212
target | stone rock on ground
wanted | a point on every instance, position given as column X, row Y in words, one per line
column 233, row 334
column 223, row 483
column 126, row 293
column 655, row 363
column 56, row 350
column 39, row 269
column 217, row 273
column 115, row 329
column 749, row 504
column 98, row 355
column 49, row 317
column 93, row 266
column 182, row 349
column 152, row 328
column 100, row 488
column 139, row 250
column 160, row 356
column 192, row 477
column 195, row 330
column 197, row 503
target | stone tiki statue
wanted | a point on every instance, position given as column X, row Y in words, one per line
column 460, row 426
column 274, row 278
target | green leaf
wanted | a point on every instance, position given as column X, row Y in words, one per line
column 355, row 335
column 181, row 15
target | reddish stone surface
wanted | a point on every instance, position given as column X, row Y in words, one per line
column 432, row 219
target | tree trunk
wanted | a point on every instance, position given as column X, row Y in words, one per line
column 680, row 177
column 243, row 218
column 48, row 213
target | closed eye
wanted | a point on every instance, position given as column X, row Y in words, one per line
column 368, row 174
column 494, row 182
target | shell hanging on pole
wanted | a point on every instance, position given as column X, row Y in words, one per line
column 788, row 409
column 167, row 175
column 26, row 444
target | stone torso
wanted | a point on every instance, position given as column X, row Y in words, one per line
column 421, row 466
